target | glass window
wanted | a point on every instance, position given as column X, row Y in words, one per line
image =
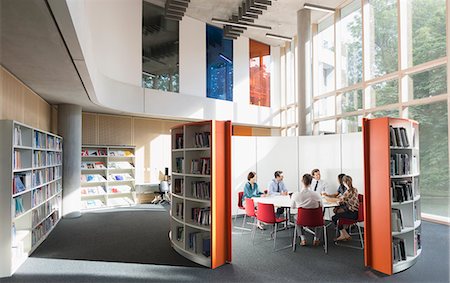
column 384, row 113
column 160, row 53
column 326, row 127
column 350, row 101
column 325, row 107
column 219, row 64
column 383, row 93
column 429, row 83
column 351, row 44
column 350, row 124
column 382, row 57
column 291, row 115
column 434, row 163
column 325, row 54
column 428, row 30
column 259, row 73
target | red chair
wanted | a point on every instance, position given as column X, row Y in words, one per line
column 310, row 217
column 250, row 212
column 352, row 222
column 240, row 206
column 266, row 214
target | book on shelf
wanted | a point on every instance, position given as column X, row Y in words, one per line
column 95, row 190
column 120, row 165
column 398, row 137
column 101, row 152
column 402, row 191
column 206, row 251
column 119, row 189
column 92, row 178
column 201, row 166
column 201, row 215
column 179, row 164
column 201, row 189
column 396, row 220
column 17, row 160
column 179, row 212
column 202, row 139
column 400, row 164
column 179, row 141
column 417, row 242
column 180, row 233
column 121, row 153
column 21, row 182
column 84, row 152
column 92, row 203
column 178, row 186
column 120, row 177
column 39, row 140
column 198, row 243
column 398, row 249
column 17, row 136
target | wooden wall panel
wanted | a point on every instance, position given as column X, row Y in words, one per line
column 89, row 128
column 115, row 130
column 262, row 132
column 20, row 103
column 242, row 131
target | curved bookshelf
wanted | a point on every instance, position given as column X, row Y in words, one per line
column 200, row 200
column 392, row 235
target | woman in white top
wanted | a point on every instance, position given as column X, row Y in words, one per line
column 307, row 199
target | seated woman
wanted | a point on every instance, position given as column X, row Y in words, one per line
column 348, row 209
column 307, row 199
column 341, row 189
column 251, row 190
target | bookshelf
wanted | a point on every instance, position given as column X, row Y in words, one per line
column 392, row 235
column 200, row 212
column 30, row 205
column 107, row 176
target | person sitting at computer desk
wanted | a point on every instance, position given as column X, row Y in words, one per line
column 318, row 185
column 277, row 187
column 306, row 199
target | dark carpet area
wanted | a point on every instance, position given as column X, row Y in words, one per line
column 132, row 246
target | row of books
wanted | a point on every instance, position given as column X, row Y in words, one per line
column 400, row 164
column 179, row 210
column 43, row 211
column 120, row 165
column 202, row 139
column 180, row 233
column 121, row 153
column 21, row 182
column 396, row 220
column 46, row 175
column 40, row 140
column 42, row 229
column 398, row 137
column 18, row 136
column 179, row 141
column 200, row 242
column 94, row 152
column 119, row 189
column 178, row 186
column 46, row 158
column 201, row 166
column 54, row 143
column 398, row 249
column 93, row 165
column 201, row 215
column 179, row 164
column 402, row 191
column 40, row 195
column 17, row 161
column 201, row 189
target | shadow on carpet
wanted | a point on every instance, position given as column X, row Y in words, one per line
column 132, row 235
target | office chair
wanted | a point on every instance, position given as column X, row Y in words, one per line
column 310, row 217
column 352, row 222
column 163, row 196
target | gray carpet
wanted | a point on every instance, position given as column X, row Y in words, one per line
column 132, row 246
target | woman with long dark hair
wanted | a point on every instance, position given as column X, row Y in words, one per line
column 348, row 209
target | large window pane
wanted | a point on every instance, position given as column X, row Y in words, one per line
column 325, row 107
column 351, row 44
column 350, row 101
column 382, row 51
column 325, row 54
column 350, row 124
column 384, row 113
column 429, row 83
column 434, row 168
column 259, row 73
column 160, row 53
column 428, row 30
column 219, row 64
column 383, row 93
column 326, row 127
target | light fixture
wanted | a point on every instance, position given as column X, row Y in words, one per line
column 229, row 23
column 318, row 8
column 275, row 36
column 225, row 58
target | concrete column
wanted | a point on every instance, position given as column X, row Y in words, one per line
column 304, row 78
column 69, row 127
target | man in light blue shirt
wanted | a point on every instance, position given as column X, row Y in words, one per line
column 277, row 187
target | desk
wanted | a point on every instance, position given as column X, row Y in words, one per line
column 285, row 201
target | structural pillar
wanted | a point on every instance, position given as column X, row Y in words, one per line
column 304, row 79
column 69, row 127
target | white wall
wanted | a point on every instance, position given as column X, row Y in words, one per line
column 295, row 156
column 192, row 59
column 241, row 70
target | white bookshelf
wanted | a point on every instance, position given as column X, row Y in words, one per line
column 30, row 205
column 107, row 176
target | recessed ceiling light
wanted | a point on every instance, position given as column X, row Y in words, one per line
column 281, row 37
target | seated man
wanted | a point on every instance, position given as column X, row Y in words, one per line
column 307, row 198
column 277, row 187
column 318, row 185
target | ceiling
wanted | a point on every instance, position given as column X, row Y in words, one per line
column 33, row 49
